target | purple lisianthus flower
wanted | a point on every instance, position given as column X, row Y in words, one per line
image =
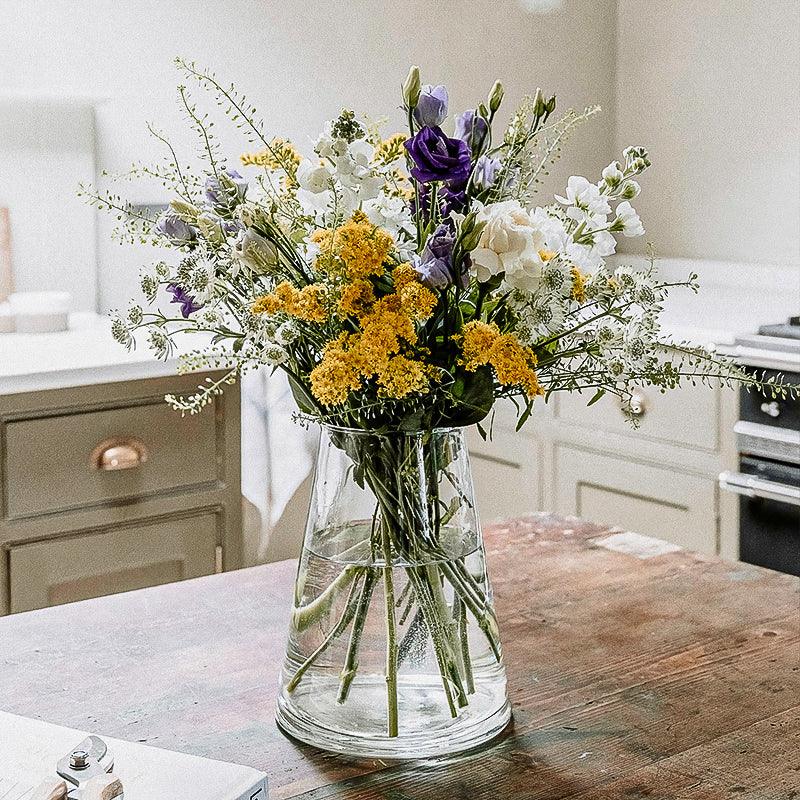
column 187, row 303
column 473, row 129
column 431, row 108
column 172, row 227
column 438, row 157
column 485, row 171
column 225, row 191
column 435, row 265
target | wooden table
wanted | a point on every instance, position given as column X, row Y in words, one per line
column 632, row 676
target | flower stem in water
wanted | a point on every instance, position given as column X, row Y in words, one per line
column 351, row 660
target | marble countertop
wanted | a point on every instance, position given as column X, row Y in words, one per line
column 86, row 354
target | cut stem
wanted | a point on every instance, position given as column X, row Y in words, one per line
column 391, row 634
column 351, row 659
column 335, row 632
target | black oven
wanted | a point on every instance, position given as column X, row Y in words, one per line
column 768, row 479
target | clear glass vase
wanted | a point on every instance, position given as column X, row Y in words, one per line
column 393, row 648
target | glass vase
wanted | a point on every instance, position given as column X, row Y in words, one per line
column 393, row 647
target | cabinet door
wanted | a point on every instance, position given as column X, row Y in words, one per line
column 505, row 474
column 93, row 564
column 648, row 499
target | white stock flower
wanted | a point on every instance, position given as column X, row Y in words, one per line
column 588, row 257
column 628, row 220
column 612, row 175
column 389, row 213
column 509, row 243
column 584, row 201
column 313, row 178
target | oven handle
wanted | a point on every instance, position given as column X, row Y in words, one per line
column 750, row 486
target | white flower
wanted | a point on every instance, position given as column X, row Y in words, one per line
column 312, row 178
column 588, row 257
column 509, row 243
column 390, row 213
column 585, row 201
column 612, row 175
column 328, row 146
column 627, row 220
column 314, row 204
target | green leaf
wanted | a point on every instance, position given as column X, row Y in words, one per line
column 305, row 402
column 473, row 397
column 597, row 395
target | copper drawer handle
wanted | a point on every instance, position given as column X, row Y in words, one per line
column 115, row 454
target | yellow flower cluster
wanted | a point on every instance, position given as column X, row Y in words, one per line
column 482, row 344
column 307, row 303
column 578, row 285
column 356, row 249
column 387, row 326
column 390, row 149
column 280, row 154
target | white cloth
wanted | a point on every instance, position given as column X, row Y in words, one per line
column 277, row 452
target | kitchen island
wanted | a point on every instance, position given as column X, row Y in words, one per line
column 636, row 669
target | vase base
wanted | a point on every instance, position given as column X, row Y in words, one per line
column 350, row 733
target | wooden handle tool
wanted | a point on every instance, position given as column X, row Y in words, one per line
column 51, row 789
column 102, row 787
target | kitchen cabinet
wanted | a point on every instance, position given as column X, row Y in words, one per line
column 659, row 478
column 104, row 488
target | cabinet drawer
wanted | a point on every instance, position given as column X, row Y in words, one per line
column 638, row 497
column 51, row 462
column 119, row 560
column 688, row 416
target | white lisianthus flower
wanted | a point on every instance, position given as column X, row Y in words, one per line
column 584, row 201
column 509, row 243
column 627, row 220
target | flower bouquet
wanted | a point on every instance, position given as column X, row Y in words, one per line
column 404, row 284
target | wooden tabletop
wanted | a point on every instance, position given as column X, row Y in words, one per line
column 633, row 672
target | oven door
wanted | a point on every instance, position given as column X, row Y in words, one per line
column 769, row 512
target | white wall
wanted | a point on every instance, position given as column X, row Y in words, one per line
column 711, row 88
column 300, row 62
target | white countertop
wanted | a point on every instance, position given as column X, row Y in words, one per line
column 84, row 355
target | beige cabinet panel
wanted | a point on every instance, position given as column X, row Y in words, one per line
column 49, row 465
column 74, row 568
column 652, row 500
column 505, row 474
column 687, row 417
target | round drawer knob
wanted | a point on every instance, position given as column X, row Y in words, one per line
column 115, row 454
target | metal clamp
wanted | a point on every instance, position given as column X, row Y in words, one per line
column 750, row 486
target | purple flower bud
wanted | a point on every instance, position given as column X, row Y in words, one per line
column 485, row 171
column 180, row 296
column 473, row 129
column 437, row 157
column 172, row 227
column 435, row 265
column 227, row 191
column 431, row 107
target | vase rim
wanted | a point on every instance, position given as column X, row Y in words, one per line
column 328, row 426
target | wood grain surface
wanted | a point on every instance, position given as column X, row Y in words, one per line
column 633, row 675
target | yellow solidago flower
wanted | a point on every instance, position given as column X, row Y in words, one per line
column 547, row 255
column 578, row 285
column 401, row 376
column 307, row 303
column 417, row 301
column 390, row 149
column 358, row 248
column 280, row 154
column 356, row 298
column 482, row 344
column 337, row 374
